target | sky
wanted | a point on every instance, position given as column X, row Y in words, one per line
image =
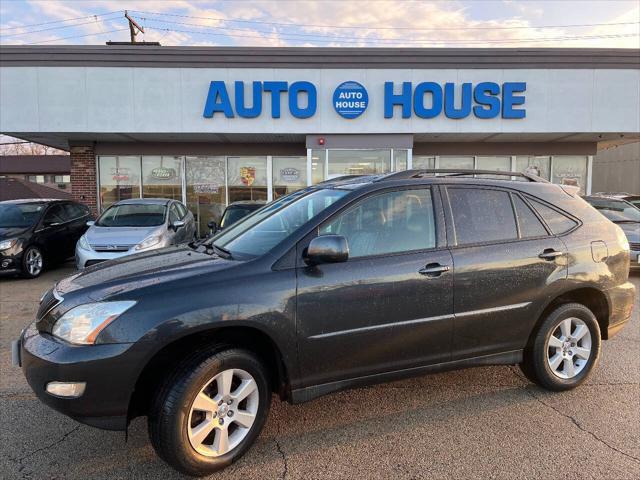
column 327, row 23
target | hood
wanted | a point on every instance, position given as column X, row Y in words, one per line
column 12, row 232
column 631, row 230
column 120, row 235
column 141, row 270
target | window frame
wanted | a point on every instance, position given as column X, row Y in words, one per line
column 535, row 213
column 438, row 221
column 578, row 222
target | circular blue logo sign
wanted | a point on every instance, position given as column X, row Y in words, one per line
column 350, row 99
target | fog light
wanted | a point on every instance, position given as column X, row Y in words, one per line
column 66, row 389
column 5, row 263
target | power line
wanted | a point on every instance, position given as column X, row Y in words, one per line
column 400, row 42
column 60, row 21
column 316, row 36
column 77, row 36
column 220, row 19
column 54, row 28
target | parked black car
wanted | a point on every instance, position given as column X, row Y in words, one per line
column 340, row 285
column 234, row 212
column 37, row 233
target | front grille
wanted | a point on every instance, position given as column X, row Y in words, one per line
column 111, row 248
column 634, row 246
column 93, row 262
column 48, row 302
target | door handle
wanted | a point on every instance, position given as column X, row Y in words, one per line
column 433, row 270
column 550, row 254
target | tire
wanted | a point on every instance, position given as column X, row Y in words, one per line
column 32, row 262
column 556, row 361
column 175, row 423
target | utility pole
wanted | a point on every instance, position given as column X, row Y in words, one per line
column 134, row 28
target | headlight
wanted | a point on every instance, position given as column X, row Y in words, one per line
column 148, row 242
column 82, row 324
column 7, row 244
column 83, row 243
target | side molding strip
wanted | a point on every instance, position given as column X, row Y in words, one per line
column 420, row 320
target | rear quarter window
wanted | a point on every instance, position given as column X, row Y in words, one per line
column 530, row 225
column 557, row 222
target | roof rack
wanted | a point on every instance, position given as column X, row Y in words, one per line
column 451, row 172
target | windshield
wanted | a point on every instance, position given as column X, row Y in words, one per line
column 133, row 215
column 616, row 210
column 259, row 232
column 20, row 215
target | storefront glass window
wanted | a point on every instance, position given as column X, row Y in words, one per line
column 289, row 175
column 500, row 164
column 461, row 163
column 119, row 179
column 206, row 194
column 359, row 162
column 318, row 158
column 400, row 159
column 247, row 178
column 570, row 170
column 424, row 162
column 162, row 177
column 536, row 165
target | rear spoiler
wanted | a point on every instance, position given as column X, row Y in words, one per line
column 570, row 190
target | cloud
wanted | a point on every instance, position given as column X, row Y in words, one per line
column 319, row 23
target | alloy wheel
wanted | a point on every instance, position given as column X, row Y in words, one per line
column 34, row 262
column 569, row 348
column 223, row 412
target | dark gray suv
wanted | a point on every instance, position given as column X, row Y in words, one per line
column 340, row 285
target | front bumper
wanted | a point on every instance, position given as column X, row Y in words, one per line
column 11, row 261
column 86, row 258
column 106, row 369
column 621, row 300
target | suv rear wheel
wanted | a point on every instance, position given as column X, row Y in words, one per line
column 564, row 348
column 210, row 411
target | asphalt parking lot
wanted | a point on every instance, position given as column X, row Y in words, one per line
column 477, row 423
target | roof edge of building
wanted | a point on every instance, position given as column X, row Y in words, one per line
column 318, row 57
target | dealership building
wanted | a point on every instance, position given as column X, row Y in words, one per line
column 215, row 125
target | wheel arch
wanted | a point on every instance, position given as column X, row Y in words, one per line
column 239, row 336
column 591, row 297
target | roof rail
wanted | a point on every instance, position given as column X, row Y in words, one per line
column 340, row 179
column 419, row 173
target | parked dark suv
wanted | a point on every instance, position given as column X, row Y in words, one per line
column 344, row 284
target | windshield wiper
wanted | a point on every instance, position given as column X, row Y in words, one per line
column 223, row 252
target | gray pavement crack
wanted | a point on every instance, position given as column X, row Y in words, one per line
column 285, row 462
column 41, row 449
column 580, row 426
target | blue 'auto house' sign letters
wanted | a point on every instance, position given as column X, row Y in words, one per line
column 350, row 99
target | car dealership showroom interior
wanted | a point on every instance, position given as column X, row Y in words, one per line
column 211, row 126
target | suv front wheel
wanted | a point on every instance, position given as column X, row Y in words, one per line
column 564, row 348
column 210, row 411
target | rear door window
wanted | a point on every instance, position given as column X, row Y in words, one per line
column 482, row 215
column 530, row 225
column 557, row 222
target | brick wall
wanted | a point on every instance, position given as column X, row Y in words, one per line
column 83, row 176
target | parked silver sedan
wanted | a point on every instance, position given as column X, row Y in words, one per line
column 133, row 226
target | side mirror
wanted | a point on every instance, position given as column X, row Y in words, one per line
column 327, row 249
column 212, row 227
column 177, row 225
column 90, row 223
